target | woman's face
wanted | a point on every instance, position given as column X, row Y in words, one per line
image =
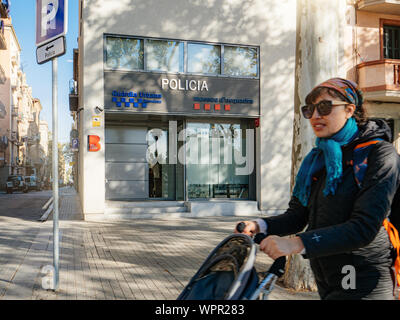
column 327, row 126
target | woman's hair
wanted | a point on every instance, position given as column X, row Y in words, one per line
column 360, row 113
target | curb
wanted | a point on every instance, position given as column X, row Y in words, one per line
column 49, row 208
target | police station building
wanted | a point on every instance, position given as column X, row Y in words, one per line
column 185, row 107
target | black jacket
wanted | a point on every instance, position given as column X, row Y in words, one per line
column 346, row 228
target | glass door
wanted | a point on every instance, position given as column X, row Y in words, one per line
column 161, row 174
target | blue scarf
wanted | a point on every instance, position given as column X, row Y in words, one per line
column 327, row 153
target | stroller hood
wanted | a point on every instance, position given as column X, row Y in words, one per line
column 228, row 273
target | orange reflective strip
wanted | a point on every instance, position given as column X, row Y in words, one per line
column 362, row 145
column 395, row 240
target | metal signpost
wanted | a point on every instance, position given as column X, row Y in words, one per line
column 51, row 27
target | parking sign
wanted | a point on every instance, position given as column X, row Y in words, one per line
column 75, row 144
column 51, row 20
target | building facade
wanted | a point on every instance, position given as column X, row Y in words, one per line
column 191, row 106
column 5, row 114
column 44, row 171
column 377, row 59
column 20, row 148
column 10, row 92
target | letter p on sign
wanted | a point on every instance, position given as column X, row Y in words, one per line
column 49, row 11
column 51, row 20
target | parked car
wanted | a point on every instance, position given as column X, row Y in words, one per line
column 16, row 183
column 32, row 183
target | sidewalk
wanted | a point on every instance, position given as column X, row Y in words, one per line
column 135, row 259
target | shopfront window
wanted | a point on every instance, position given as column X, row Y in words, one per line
column 124, row 53
column 215, row 155
column 240, row 61
column 164, row 55
column 204, row 58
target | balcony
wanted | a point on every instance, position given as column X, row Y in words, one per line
column 380, row 80
column 380, row 6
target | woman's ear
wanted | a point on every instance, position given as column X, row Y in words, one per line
column 350, row 109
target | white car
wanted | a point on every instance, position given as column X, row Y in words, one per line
column 32, row 183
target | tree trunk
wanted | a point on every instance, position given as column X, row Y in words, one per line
column 319, row 48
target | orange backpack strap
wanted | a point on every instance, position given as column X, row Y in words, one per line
column 366, row 144
column 359, row 161
column 395, row 240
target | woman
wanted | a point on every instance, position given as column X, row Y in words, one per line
column 344, row 222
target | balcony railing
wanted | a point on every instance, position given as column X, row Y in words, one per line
column 380, row 80
column 380, row 6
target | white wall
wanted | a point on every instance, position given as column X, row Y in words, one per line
column 269, row 24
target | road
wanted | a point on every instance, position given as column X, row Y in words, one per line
column 23, row 206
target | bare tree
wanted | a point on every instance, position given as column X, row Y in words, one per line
column 319, row 51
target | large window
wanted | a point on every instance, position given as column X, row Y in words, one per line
column 240, row 61
column 391, row 42
column 164, row 55
column 218, row 163
column 139, row 54
column 204, row 58
column 124, row 53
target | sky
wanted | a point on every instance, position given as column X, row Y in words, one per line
column 39, row 77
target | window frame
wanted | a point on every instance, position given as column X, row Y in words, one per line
column 145, row 53
column 382, row 24
column 185, row 57
column 186, row 53
column 105, row 67
column 249, row 47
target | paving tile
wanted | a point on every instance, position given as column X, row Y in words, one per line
column 107, row 260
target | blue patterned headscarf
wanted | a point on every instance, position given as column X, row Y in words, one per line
column 348, row 89
column 328, row 152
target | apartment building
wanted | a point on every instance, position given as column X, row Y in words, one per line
column 20, row 148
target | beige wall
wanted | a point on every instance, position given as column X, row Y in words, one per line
column 368, row 40
column 368, row 49
column 268, row 24
column 44, row 136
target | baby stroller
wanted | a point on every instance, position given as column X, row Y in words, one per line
column 228, row 273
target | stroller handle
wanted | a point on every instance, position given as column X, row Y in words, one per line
column 278, row 267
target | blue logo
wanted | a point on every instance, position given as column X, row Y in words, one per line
column 134, row 99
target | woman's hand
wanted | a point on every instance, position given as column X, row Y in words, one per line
column 251, row 228
column 276, row 247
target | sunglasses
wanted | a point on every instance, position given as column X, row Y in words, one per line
column 324, row 108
